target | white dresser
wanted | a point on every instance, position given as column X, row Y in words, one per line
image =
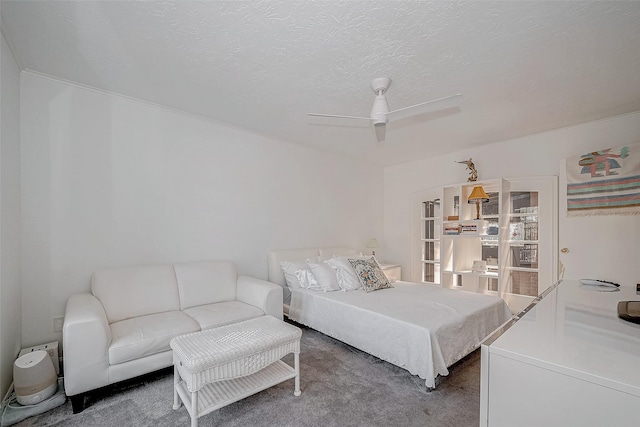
column 566, row 360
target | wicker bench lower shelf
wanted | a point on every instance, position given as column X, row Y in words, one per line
column 219, row 394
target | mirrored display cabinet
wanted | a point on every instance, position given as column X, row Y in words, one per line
column 498, row 238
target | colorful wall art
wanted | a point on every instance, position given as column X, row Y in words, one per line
column 604, row 182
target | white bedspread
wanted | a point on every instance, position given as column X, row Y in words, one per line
column 422, row 328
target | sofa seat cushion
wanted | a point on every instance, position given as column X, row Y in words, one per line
column 146, row 335
column 223, row 313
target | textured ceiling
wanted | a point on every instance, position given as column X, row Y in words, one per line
column 523, row 67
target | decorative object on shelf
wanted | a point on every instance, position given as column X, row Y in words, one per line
column 479, row 266
column 599, row 182
column 456, row 205
column 474, row 228
column 452, row 229
column 477, row 196
column 473, row 173
column 373, row 244
column 453, row 218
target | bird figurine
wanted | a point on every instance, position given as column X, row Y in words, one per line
column 473, row 173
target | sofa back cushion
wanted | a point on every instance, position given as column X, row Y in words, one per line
column 136, row 291
column 206, row 282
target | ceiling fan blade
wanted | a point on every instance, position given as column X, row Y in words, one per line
column 380, row 132
column 426, row 107
column 339, row 117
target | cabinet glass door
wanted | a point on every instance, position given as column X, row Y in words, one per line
column 490, row 242
column 531, row 240
column 431, row 241
column 523, row 243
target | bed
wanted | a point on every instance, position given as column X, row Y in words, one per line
column 420, row 327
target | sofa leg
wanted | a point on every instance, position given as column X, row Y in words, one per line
column 77, row 403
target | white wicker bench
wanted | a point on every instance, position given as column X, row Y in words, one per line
column 219, row 366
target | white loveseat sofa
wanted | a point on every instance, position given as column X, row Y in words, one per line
column 123, row 327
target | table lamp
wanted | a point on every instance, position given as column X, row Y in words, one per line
column 372, row 244
column 478, row 196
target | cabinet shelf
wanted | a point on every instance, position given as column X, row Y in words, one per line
column 479, row 273
column 524, row 269
column 467, row 235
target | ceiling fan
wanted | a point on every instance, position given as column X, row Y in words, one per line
column 380, row 114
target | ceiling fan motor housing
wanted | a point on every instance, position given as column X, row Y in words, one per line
column 379, row 111
column 380, row 105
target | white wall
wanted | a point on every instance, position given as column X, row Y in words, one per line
column 110, row 181
column 605, row 247
column 10, row 293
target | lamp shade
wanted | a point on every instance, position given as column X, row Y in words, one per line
column 372, row 243
column 478, row 194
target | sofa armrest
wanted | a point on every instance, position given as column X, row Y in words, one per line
column 260, row 293
column 86, row 337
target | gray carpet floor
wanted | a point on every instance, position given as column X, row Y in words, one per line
column 341, row 386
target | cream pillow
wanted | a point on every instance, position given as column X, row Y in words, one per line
column 297, row 274
column 307, row 278
column 346, row 275
column 325, row 275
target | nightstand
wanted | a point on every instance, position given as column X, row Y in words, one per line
column 392, row 271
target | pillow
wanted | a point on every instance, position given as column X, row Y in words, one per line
column 297, row 274
column 325, row 275
column 370, row 274
column 307, row 279
column 346, row 276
